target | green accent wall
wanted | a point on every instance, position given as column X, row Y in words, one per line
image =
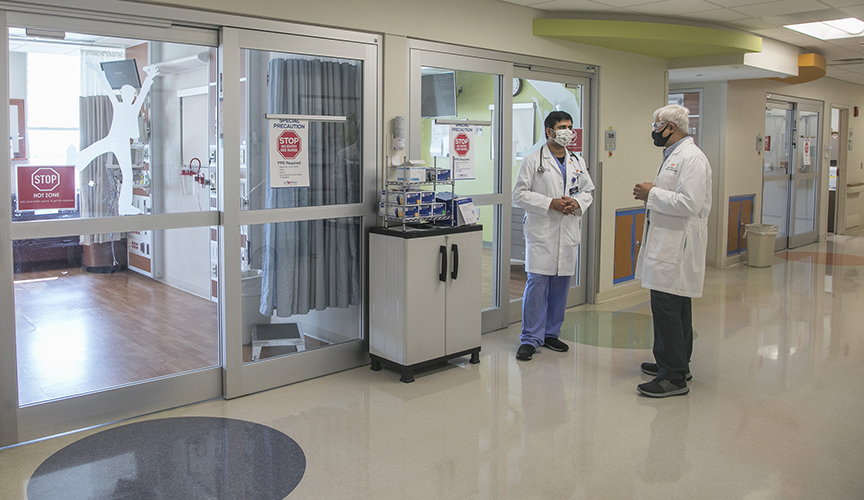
column 666, row 41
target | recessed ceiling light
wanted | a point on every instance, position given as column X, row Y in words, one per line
column 830, row 30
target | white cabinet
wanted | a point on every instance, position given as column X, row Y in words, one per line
column 425, row 296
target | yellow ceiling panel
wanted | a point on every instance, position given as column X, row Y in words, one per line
column 667, row 41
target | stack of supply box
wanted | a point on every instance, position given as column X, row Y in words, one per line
column 408, row 203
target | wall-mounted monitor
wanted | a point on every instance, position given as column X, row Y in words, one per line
column 120, row 73
column 438, row 95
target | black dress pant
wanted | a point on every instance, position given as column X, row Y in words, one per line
column 673, row 334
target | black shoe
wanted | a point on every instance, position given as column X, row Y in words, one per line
column 555, row 344
column 661, row 388
column 651, row 369
column 525, row 352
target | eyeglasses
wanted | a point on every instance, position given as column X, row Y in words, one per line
column 658, row 125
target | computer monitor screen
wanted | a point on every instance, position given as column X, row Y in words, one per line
column 438, row 95
column 120, row 73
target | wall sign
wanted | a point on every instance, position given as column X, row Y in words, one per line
column 43, row 187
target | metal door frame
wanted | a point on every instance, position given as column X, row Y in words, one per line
column 246, row 378
column 793, row 177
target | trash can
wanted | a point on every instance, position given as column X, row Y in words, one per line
column 760, row 244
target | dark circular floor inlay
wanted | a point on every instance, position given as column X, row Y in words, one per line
column 174, row 458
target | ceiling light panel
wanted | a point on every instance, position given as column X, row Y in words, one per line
column 831, row 30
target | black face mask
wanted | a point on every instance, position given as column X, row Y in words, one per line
column 659, row 140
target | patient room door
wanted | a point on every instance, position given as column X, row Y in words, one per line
column 300, row 174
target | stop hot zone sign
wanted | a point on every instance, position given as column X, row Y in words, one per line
column 45, row 187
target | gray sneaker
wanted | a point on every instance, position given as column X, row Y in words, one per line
column 662, row 388
column 555, row 344
column 525, row 352
column 651, row 369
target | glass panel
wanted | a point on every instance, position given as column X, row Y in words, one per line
column 491, row 260
column 326, row 167
column 301, row 286
column 808, row 142
column 691, row 101
column 805, row 206
column 533, row 102
column 775, row 195
column 777, row 141
column 461, row 95
column 132, row 121
column 86, row 320
column 518, row 277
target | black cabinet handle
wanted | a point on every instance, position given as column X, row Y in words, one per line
column 443, row 275
column 455, row 249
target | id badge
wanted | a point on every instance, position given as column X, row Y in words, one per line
column 574, row 190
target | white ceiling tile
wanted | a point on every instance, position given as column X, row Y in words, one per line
column 773, row 32
column 674, row 8
column 572, row 6
column 752, row 24
column 856, row 11
column 841, row 3
column 780, row 8
column 839, row 53
column 625, row 3
column 737, row 3
column 718, row 15
column 806, row 17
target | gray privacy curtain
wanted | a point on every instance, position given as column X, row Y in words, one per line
column 316, row 264
column 98, row 185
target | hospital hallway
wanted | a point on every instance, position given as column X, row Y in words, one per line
column 773, row 413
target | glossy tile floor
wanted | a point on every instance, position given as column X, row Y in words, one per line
column 775, row 409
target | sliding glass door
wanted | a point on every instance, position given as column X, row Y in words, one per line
column 535, row 95
column 457, row 91
column 111, row 312
column 300, row 117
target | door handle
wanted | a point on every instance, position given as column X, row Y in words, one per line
column 455, row 249
column 443, row 275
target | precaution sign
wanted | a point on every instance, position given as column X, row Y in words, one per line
column 289, row 153
column 41, row 188
column 462, row 139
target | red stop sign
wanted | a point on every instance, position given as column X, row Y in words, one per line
column 45, row 179
column 461, row 144
column 289, row 144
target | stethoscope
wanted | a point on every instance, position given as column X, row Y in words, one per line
column 541, row 169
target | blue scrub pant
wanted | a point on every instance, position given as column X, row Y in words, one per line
column 543, row 307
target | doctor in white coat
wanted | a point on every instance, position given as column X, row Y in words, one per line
column 672, row 261
column 554, row 189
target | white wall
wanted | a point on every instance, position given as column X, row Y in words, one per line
column 182, row 256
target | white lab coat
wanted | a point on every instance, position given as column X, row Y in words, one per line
column 550, row 236
column 672, row 258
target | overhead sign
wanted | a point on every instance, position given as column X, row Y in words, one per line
column 462, row 145
column 289, row 153
column 44, row 187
